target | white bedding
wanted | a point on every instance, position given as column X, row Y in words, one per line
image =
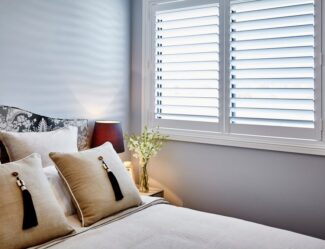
column 157, row 225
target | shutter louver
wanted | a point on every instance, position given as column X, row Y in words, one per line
column 272, row 63
column 187, row 64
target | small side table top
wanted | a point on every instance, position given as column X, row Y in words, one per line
column 154, row 192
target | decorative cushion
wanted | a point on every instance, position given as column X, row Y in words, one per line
column 60, row 191
column 89, row 185
column 20, row 145
column 51, row 220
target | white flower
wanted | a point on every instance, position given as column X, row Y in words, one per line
column 145, row 145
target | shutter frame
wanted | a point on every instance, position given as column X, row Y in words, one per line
column 290, row 143
column 264, row 127
column 187, row 60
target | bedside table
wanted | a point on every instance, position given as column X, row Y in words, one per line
column 154, row 192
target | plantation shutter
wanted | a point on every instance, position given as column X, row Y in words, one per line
column 187, row 64
column 272, row 66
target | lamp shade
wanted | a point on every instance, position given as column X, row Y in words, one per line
column 108, row 131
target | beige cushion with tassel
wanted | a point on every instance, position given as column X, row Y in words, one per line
column 51, row 220
column 89, row 184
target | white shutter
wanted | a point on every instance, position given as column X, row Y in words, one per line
column 187, row 64
column 272, row 63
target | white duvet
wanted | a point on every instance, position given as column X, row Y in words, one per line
column 157, row 225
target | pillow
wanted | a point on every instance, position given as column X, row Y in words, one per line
column 60, row 191
column 20, row 145
column 51, row 220
column 89, row 184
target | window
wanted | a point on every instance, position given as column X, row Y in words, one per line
column 187, row 65
column 240, row 72
column 272, row 74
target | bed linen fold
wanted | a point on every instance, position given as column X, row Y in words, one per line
column 75, row 223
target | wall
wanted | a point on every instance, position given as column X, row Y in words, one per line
column 66, row 58
column 283, row 190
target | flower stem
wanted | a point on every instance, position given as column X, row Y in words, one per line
column 144, row 178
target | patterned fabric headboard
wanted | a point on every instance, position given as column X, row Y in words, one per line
column 18, row 120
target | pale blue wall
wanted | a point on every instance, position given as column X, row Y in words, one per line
column 66, row 58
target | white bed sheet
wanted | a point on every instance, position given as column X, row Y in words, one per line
column 157, row 225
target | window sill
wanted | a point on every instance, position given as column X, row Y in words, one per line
column 246, row 141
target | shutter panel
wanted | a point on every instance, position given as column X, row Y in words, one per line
column 272, row 63
column 187, row 64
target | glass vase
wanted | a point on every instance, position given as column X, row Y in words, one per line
column 144, row 178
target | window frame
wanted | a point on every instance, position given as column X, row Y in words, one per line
column 149, row 46
column 224, row 135
column 287, row 132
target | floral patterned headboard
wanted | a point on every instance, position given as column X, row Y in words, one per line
column 18, row 120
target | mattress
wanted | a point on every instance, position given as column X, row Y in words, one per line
column 158, row 225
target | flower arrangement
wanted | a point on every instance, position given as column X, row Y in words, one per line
column 145, row 146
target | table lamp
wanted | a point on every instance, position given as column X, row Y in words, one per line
column 108, row 131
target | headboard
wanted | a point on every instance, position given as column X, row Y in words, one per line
column 18, row 120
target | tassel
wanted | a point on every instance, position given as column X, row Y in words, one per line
column 30, row 218
column 116, row 187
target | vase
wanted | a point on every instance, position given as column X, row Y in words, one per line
column 144, row 178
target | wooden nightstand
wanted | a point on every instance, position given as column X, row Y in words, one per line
column 154, row 192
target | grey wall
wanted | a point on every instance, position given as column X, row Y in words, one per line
column 278, row 189
column 66, row 58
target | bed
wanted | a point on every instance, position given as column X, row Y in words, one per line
column 156, row 223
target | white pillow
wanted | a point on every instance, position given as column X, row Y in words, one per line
column 61, row 193
column 21, row 144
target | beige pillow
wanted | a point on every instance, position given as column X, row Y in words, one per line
column 89, row 185
column 51, row 220
column 22, row 144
